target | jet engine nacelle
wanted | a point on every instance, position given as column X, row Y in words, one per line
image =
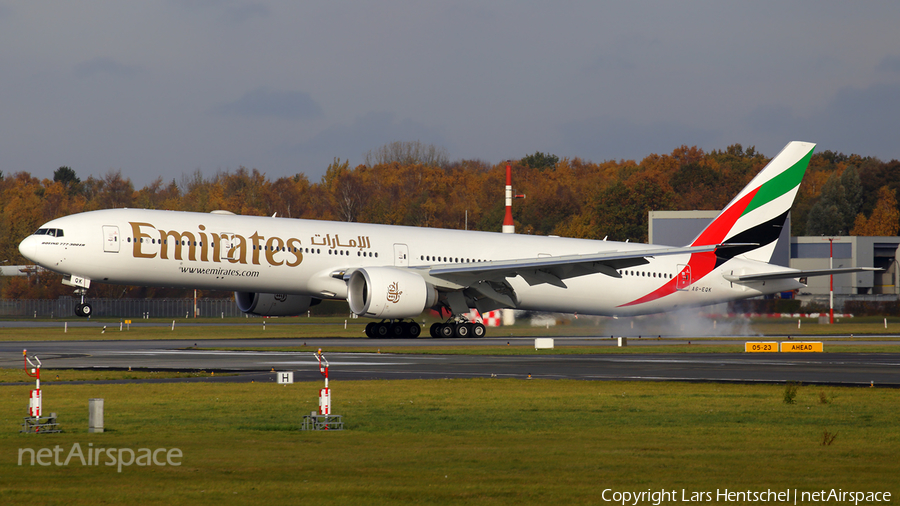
column 273, row 304
column 386, row 292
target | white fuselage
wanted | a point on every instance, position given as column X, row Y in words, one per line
column 307, row 257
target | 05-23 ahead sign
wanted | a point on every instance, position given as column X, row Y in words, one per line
column 773, row 347
column 761, row 347
column 803, row 346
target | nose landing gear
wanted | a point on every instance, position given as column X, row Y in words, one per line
column 83, row 309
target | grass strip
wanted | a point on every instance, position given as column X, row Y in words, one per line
column 53, row 375
column 333, row 327
column 487, row 441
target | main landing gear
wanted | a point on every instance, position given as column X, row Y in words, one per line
column 461, row 329
column 399, row 329
column 83, row 309
column 393, row 329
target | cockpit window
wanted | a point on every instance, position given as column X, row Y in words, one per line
column 54, row 232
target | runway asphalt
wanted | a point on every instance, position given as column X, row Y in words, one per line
column 862, row 369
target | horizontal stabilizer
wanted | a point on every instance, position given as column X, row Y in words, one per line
column 796, row 274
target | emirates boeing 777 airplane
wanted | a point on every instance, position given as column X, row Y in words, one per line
column 280, row 267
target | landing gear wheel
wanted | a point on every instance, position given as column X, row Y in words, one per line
column 463, row 330
column 435, row 330
column 398, row 330
column 446, row 330
column 478, row 330
column 83, row 310
column 393, row 329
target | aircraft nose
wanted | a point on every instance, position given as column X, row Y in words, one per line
column 28, row 246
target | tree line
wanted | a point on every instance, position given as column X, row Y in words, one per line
column 410, row 184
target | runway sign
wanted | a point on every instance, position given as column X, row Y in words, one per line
column 761, row 347
column 803, row 346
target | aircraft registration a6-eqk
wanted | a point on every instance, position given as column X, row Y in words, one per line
column 280, row 267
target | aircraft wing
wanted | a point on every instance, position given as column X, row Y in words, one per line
column 554, row 270
column 796, row 274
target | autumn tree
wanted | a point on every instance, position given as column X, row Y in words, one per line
column 199, row 194
column 853, row 194
column 345, row 192
column 875, row 175
column 696, row 183
column 58, row 200
column 290, row 196
column 246, row 192
column 38, row 285
column 22, row 202
column 414, row 184
column 623, row 209
column 540, row 161
column 470, row 189
column 158, row 195
column 551, row 197
column 408, row 153
column 110, row 192
column 735, row 167
column 392, row 192
column 885, row 219
column 838, row 205
column 67, row 177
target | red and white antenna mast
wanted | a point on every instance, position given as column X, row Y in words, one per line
column 508, row 226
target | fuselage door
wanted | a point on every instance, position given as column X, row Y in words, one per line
column 401, row 255
column 110, row 238
column 226, row 245
column 684, row 277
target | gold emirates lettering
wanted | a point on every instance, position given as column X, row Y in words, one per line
column 148, row 242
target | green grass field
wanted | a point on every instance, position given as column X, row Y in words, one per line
column 317, row 327
column 480, row 441
column 18, row 375
column 452, row 441
column 235, row 328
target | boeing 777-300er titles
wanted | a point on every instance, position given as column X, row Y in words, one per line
column 280, row 267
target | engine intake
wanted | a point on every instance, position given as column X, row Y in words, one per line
column 273, row 304
column 386, row 292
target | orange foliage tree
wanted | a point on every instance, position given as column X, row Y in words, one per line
column 885, row 219
column 566, row 197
